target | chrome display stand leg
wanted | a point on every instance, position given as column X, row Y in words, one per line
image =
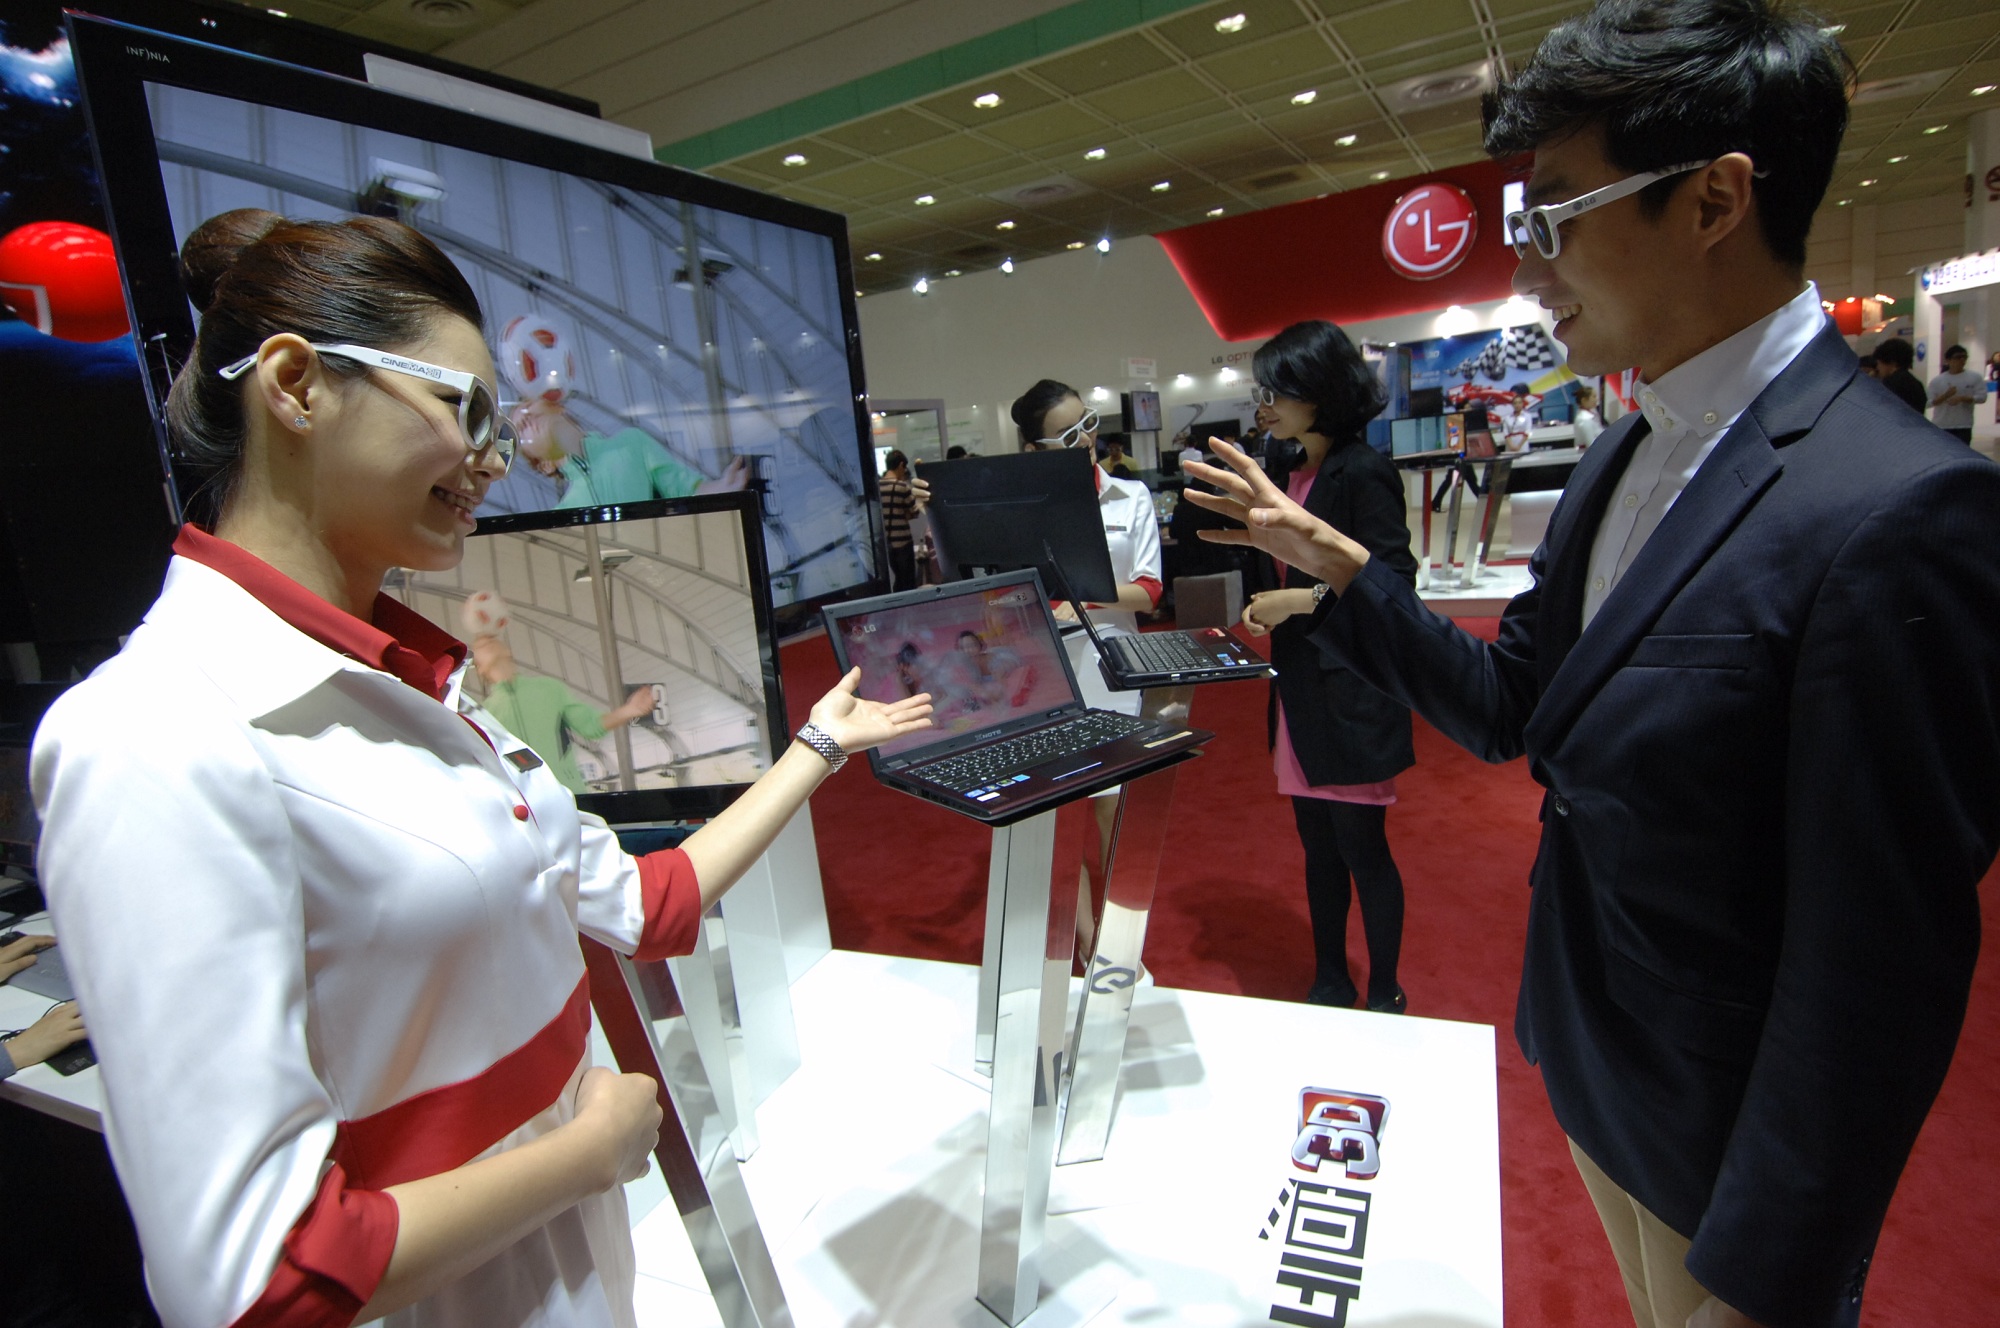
column 640, row 1012
column 707, row 988
column 1499, row 479
column 1137, row 844
column 1463, row 579
column 1030, row 950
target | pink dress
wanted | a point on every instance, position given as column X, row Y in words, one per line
column 1291, row 776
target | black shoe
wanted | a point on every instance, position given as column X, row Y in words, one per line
column 1326, row 993
column 1396, row 1004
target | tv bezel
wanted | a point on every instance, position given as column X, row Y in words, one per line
column 115, row 61
column 699, row 801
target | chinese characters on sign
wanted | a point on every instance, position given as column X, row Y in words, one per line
column 1323, row 1227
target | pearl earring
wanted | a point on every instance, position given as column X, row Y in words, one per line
column 298, row 421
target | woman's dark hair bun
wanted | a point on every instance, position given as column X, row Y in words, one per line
column 216, row 245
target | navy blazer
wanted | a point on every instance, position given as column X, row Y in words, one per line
column 1343, row 730
column 1773, row 773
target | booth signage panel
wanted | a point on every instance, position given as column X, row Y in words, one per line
column 1956, row 274
column 1329, row 246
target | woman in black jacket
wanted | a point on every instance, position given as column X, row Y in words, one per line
column 1338, row 744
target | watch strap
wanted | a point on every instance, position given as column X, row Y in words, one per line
column 817, row 738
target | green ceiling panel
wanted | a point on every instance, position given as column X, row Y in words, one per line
column 1011, row 46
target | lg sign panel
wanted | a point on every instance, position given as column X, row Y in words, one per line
column 1429, row 231
column 603, row 280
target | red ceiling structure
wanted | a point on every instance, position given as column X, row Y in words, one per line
column 1258, row 273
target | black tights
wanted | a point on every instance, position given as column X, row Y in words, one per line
column 1339, row 838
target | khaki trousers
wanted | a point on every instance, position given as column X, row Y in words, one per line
column 1650, row 1253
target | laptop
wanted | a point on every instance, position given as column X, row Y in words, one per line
column 1165, row 659
column 1011, row 734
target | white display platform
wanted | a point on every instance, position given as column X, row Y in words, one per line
column 868, row 1182
column 1487, row 597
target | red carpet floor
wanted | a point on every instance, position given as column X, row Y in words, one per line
column 903, row 877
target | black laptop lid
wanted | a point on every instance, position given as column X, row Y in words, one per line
column 1000, row 513
column 986, row 650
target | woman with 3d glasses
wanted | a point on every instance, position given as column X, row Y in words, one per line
column 324, row 924
column 1051, row 414
column 1337, row 743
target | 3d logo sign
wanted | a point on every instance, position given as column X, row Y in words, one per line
column 1343, row 1128
column 1429, row 232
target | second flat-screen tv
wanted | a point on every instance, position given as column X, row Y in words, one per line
column 629, row 646
column 658, row 334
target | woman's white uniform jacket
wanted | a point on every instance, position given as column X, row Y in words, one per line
column 323, row 928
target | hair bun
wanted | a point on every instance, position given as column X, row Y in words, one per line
column 215, row 247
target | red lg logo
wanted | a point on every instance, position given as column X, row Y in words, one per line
column 1429, row 231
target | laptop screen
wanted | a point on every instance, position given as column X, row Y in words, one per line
column 986, row 656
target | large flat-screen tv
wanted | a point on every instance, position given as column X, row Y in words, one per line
column 629, row 646
column 86, row 517
column 658, row 334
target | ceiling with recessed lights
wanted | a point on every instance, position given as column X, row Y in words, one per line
column 1210, row 110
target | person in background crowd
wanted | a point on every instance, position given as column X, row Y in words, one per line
column 1954, row 393
column 1758, row 674
column 1588, row 422
column 1337, row 742
column 60, row 1027
column 1051, row 414
column 1867, row 363
column 898, row 506
column 954, row 452
column 1114, row 460
column 387, row 1108
column 1893, row 358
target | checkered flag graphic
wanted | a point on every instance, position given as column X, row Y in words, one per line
column 1528, row 347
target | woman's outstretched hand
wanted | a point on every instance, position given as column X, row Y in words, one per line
column 857, row 723
column 1271, row 521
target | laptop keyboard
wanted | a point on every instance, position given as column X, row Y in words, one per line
column 1002, row 760
column 1164, row 652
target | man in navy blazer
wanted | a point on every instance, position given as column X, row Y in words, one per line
column 1758, row 672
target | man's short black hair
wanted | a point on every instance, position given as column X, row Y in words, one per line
column 1950, row 351
column 1672, row 81
column 1867, row 363
column 1895, row 352
column 1314, row 362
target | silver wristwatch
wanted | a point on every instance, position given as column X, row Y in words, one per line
column 1319, row 593
column 817, row 738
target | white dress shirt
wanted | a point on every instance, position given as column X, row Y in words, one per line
column 1688, row 411
column 1132, row 529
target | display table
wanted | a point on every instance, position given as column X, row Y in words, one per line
column 868, row 1184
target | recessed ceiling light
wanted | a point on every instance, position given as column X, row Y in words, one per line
column 1984, row 88
column 1007, row 266
column 277, row 13
column 1104, row 245
column 954, row 272
column 1866, row 183
column 1347, row 140
column 1163, row 186
column 1936, row 129
column 861, row 295
column 1306, row 98
column 986, row 101
column 1234, row 23
column 1833, row 30
column 1074, row 244
column 795, row 159
column 1894, row 160
column 1095, row 154
column 1379, row 175
column 925, row 200
column 1215, row 212
column 1842, row 202
column 872, row 258
column 1004, row 226
column 923, row 286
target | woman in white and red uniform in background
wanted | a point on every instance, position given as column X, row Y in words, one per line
column 1051, row 414
column 322, row 908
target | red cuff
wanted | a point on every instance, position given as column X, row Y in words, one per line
column 332, row 1260
column 672, row 897
column 1153, row 588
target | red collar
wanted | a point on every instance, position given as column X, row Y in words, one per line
column 398, row 641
